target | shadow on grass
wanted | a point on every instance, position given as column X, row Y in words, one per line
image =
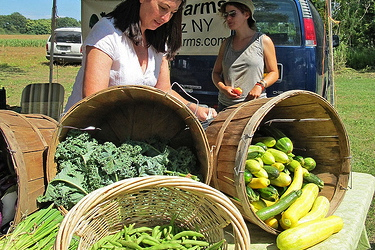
column 4, row 67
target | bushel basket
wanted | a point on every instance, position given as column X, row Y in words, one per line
column 135, row 113
column 151, row 201
column 24, row 142
column 306, row 118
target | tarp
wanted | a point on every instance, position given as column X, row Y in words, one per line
column 203, row 28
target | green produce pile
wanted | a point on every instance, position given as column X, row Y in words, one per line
column 158, row 237
column 85, row 164
column 274, row 175
column 37, row 231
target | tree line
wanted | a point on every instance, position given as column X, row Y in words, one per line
column 16, row 23
column 353, row 21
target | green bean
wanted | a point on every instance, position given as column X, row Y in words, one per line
column 217, row 245
column 166, row 245
column 196, row 242
column 130, row 244
column 187, row 234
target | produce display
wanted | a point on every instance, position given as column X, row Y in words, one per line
column 284, row 193
column 36, row 231
column 153, row 238
column 85, row 164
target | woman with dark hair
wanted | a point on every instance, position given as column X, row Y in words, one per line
column 238, row 72
column 132, row 46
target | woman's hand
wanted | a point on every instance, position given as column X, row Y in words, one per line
column 202, row 113
column 254, row 93
column 230, row 92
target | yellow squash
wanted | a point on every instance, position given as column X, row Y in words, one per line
column 309, row 233
column 296, row 182
column 301, row 206
column 319, row 210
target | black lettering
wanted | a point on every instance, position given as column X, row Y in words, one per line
column 197, row 26
column 208, row 5
column 183, row 26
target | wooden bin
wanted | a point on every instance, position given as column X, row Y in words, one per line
column 306, row 118
column 136, row 113
column 26, row 139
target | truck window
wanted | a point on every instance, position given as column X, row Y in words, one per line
column 279, row 20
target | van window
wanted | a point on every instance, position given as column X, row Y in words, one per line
column 279, row 20
column 68, row 37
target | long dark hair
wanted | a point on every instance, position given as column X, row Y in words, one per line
column 126, row 18
column 243, row 8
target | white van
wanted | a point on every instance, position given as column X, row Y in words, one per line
column 67, row 47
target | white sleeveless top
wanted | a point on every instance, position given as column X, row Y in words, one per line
column 125, row 69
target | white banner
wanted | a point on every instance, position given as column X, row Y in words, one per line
column 203, row 28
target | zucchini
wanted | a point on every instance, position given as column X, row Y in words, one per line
column 309, row 163
column 268, row 158
column 272, row 222
column 283, row 142
column 259, row 204
column 283, row 180
column 247, row 176
column 261, row 173
column 309, row 233
column 279, row 155
column 279, row 206
column 254, row 151
column 312, row 178
column 301, row 206
column 261, row 144
column 296, row 182
column 269, row 193
column 319, row 210
column 259, row 182
column 252, row 165
column 292, row 165
column 279, row 166
column 251, row 194
column 272, row 172
column 269, row 141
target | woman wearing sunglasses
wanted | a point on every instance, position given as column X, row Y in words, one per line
column 238, row 72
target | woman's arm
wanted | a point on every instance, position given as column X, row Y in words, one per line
column 270, row 61
column 97, row 70
column 271, row 67
column 165, row 85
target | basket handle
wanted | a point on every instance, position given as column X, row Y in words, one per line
column 195, row 99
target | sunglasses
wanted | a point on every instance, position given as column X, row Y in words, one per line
column 231, row 13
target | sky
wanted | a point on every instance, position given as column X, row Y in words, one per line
column 41, row 9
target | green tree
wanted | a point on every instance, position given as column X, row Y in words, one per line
column 13, row 23
column 39, row 27
column 67, row 22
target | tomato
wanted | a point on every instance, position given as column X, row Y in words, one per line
column 237, row 91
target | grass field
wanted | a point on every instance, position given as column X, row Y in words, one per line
column 354, row 92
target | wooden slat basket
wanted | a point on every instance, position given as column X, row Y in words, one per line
column 25, row 138
column 151, row 201
column 306, row 118
column 136, row 113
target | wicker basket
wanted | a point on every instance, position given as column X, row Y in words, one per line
column 151, row 201
column 306, row 118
